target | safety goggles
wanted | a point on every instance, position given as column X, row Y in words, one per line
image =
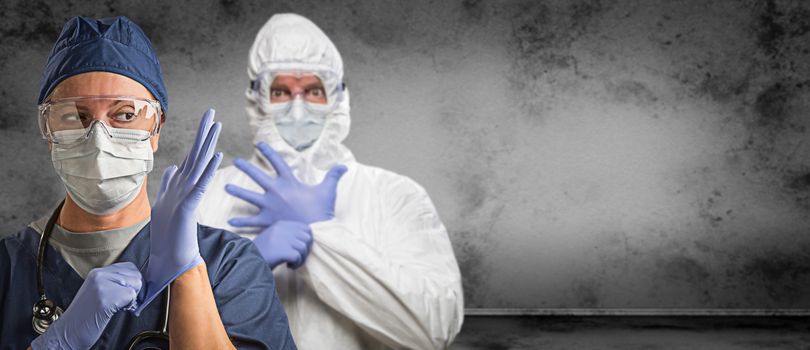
column 266, row 95
column 283, row 109
column 71, row 120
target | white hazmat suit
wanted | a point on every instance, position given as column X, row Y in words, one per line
column 380, row 274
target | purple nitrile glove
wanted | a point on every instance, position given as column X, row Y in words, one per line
column 173, row 241
column 285, row 198
column 106, row 291
column 285, row 242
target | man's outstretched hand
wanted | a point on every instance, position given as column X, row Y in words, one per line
column 285, row 198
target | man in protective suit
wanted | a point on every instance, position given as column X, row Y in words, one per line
column 360, row 256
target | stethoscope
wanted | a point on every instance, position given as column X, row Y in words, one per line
column 47, row 312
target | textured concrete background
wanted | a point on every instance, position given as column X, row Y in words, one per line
column 581, row 153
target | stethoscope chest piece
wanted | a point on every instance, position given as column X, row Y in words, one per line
column 45, row 313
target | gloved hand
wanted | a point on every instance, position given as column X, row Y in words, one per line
column 173, row 241
column 106, row 291
column 285, row 241
column 285, row 198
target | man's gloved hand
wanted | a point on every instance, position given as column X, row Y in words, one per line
column 285, row 241
column 173, row 241
column 106, row 291
column 285, row 198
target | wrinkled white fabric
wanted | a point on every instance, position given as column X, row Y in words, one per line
column 382, row 273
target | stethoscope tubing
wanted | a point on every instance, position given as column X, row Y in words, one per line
column 162, row 334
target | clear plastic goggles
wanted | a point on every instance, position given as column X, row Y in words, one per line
column 264, row 93
column 283, row 109
column 71, row 120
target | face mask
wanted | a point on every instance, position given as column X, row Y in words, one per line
column 299, row 123
column 105, row 172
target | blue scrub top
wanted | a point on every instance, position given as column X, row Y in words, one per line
column 243, row 285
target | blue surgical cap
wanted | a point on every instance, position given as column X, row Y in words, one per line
column 115, row 45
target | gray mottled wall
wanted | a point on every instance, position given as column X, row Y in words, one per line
column 581, row 153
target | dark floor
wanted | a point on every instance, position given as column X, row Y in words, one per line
column 633, row 333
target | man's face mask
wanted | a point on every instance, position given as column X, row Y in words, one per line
column 299, row 106
column 298, row 122
column 102, row 160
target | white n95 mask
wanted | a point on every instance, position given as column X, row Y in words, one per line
column 105, row 172
column 298, row 122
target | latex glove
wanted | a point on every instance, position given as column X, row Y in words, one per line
column 285, row 241
column 285, row 198
column 105, row 292
column 173, row 241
